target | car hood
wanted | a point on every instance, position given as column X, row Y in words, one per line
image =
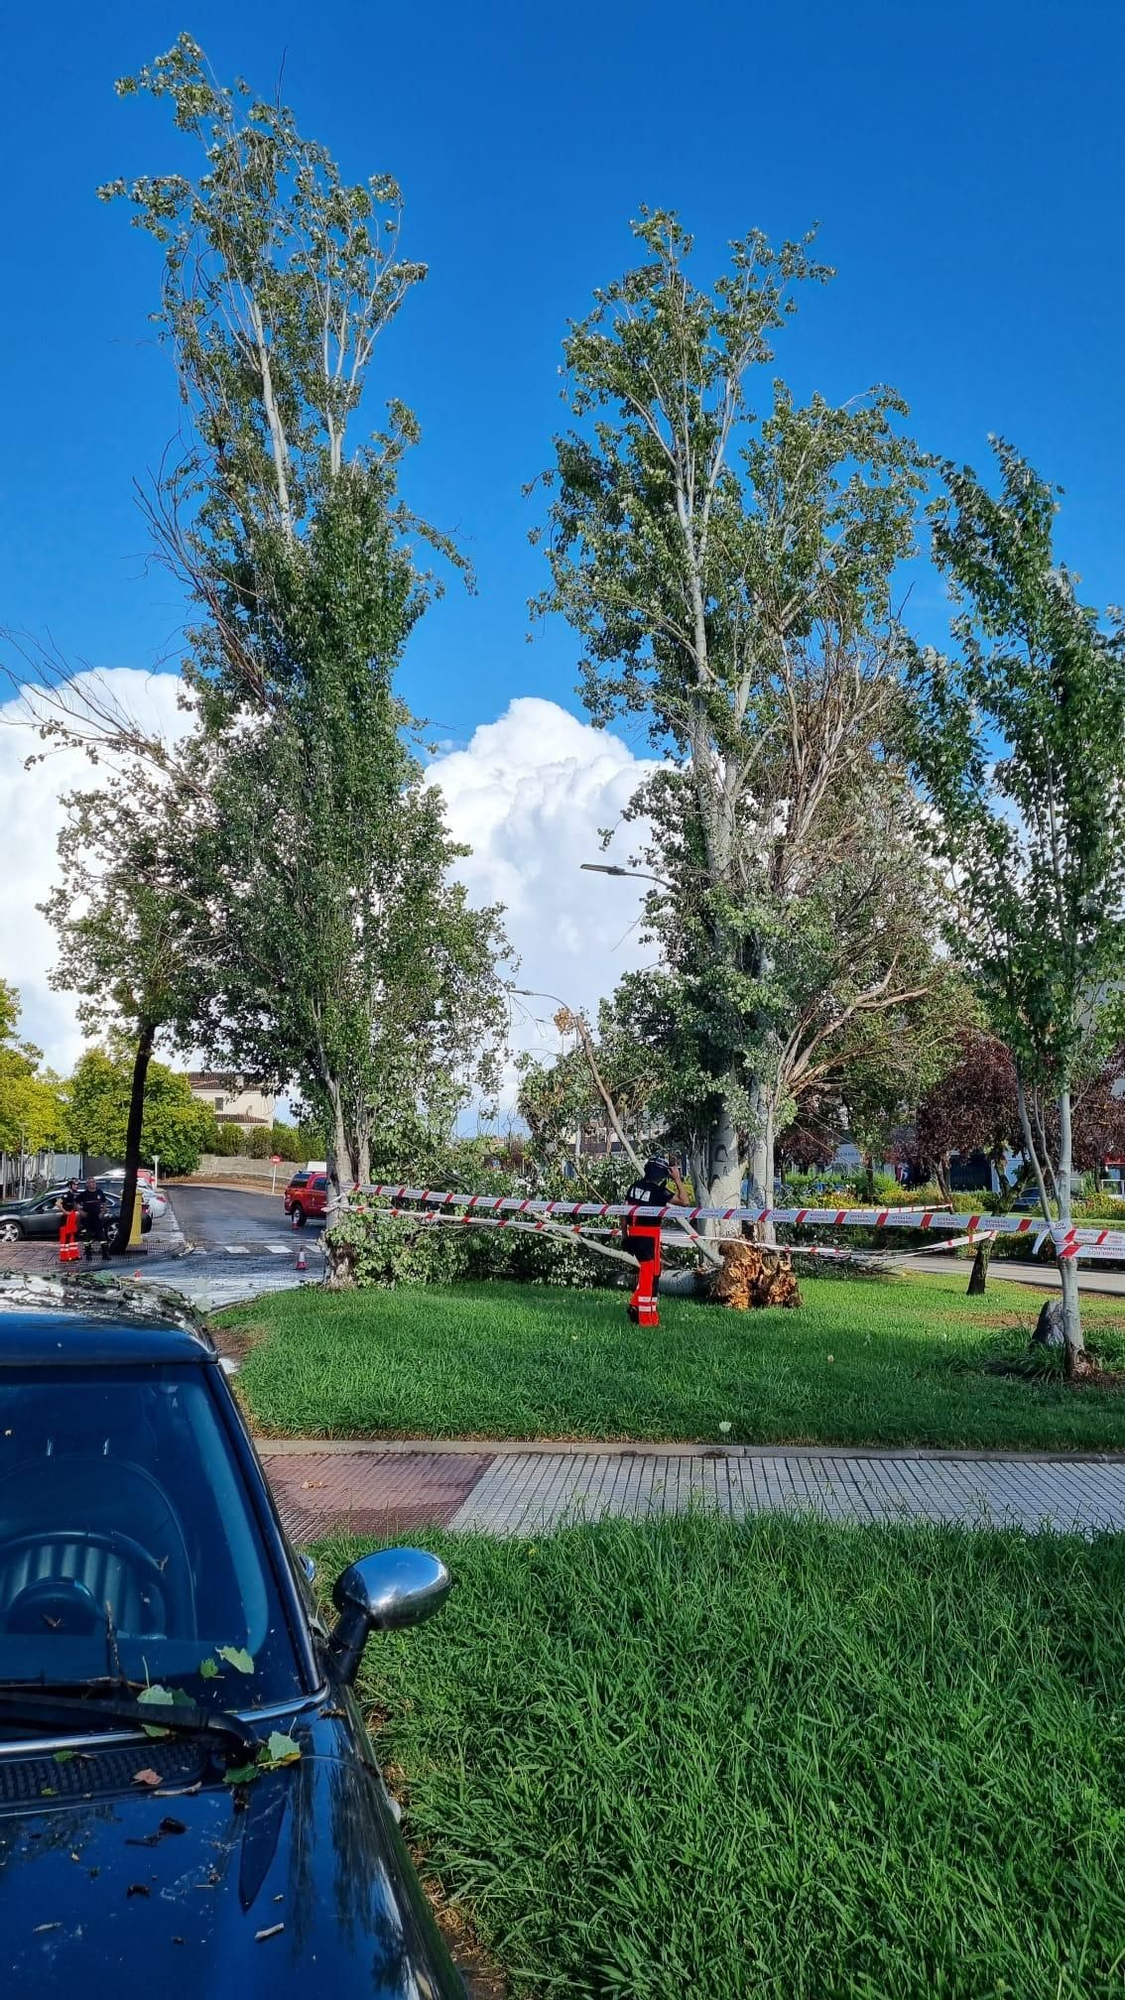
column 295, row 1884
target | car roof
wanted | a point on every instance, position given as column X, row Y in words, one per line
column 49, row 1338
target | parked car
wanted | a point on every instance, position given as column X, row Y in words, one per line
column 189, row 1800
column 38, row 1218
column 310, row 1198
column 155, row 1197
column 112, row 1191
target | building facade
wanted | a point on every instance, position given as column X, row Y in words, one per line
column 235, row 1100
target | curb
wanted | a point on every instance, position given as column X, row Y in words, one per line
column 623, row 1448
column 174, row 1246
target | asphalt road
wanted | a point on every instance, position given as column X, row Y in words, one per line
column 237, row 1244
column 1092, row 1277
column 216, row 1218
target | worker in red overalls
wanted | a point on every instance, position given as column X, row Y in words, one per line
column 68, row 1227
column 659, row 1185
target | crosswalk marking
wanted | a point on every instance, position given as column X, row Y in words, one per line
column 312, row 1245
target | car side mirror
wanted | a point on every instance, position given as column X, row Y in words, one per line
column 382, row 1593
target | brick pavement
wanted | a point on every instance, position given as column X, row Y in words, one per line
column 497, row 1489
column 336, row 1492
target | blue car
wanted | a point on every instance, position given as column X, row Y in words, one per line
column 189, row 1800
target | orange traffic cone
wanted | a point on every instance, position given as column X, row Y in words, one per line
column 302, row 1260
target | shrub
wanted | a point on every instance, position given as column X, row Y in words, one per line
column 287, row 1140
column 1102, row 1208
column 377, row 1251
column 227, row 1141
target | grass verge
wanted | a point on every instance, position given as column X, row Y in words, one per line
column 906, row 1361
column 782, row 1758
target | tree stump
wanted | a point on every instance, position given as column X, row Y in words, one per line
column 754, row 1276
column 978, row 1276
column 1049, row 1326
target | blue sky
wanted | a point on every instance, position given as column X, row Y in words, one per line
column 965, row 163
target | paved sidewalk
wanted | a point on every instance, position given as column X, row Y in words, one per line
column 524, row 1490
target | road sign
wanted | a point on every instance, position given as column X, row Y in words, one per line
column 275, row 1159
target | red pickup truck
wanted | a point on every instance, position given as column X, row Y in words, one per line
column 305, row 1195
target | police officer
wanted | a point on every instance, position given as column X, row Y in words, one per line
column 91, row 1208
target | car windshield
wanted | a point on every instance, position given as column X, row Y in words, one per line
column 128, row 1542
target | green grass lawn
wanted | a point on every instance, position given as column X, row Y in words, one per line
column 863, row 1362
column 781, row 1759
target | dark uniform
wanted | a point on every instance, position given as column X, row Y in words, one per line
column 91, row 1210
column 653, row 1190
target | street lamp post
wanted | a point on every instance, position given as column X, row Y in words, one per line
column 582, row 1033
column 534, row 993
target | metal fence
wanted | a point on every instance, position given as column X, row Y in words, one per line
column 29, row 1173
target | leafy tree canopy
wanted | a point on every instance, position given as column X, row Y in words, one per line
column 32, row 1099
column 176, row 1126
column 1019, row 738
column 726, row 557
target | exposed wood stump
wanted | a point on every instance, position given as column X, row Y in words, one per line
column 753, row 1275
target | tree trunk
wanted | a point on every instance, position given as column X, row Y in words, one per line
column 1068, row 1266
column 363, row 1151
column 762, row 1160
column 978, row 1276
column 1076, row 1358
column 141, row 1061
column 723, row 1169
column 337, row 1269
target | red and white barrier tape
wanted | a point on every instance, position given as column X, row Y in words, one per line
column 1069, row 1241
column 673, row 1239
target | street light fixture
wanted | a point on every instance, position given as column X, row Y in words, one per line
column 536, row 993
column 613, row 868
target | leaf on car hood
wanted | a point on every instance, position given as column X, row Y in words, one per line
column 236, row 1657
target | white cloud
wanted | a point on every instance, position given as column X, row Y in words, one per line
column 528, row 794
column 32, row 817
